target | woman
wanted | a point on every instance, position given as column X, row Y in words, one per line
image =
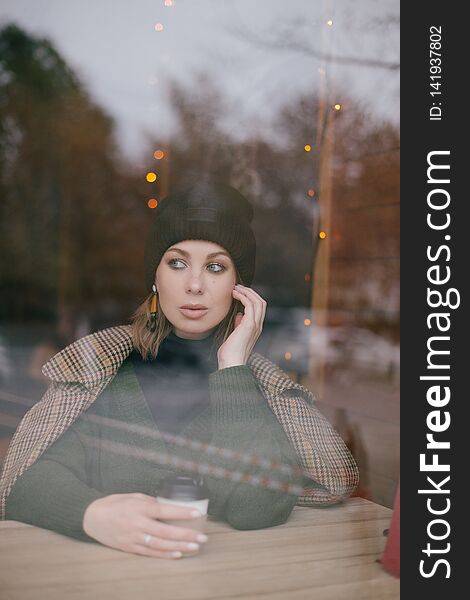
column 79, row 461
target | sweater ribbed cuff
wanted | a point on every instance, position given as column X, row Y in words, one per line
column 73, row 515
column 64, row 512
column 234, row 395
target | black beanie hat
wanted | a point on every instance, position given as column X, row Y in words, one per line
column 209, row 211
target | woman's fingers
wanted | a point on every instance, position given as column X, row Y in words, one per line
column 237, row 348
column 167, row 545
column 238, row 319
column 158, row 510
column 264, row 304
column 151, row 553
column 250, row 292
column 258, row 303
column 171, row 532
column 255, row 293
column 250, row 301
column 151, row 525
column 127, row 521
column 168, row 538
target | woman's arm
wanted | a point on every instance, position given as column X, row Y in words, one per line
column 331, row 471
column 53, row 493
column 242, row 421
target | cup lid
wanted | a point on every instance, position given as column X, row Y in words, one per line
column 180, row 487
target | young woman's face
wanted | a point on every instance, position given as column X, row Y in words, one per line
column 195, row 272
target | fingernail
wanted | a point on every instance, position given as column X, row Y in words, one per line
column 196, row 513
column 177, row 554
column 202, row 538
column 192, row 546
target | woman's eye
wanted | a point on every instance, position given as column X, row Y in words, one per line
column 219, row 270
column 218, row 267
column 173, row 261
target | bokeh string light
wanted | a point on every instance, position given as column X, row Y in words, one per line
column 194, row 445
column 201, row 468
column 159, row 154
column 181, row 441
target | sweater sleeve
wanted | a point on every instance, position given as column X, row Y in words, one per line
column 242, row 421
column 53, row 493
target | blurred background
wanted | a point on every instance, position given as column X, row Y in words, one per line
column 106, row 107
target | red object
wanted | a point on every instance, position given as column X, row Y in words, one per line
column 391, row 556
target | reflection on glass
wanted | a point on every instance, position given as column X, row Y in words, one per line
column 74, row 157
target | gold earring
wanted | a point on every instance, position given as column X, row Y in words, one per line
column 152, row 322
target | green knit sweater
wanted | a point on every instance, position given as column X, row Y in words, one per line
column 56, row 490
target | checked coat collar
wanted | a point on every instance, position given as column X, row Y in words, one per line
column 81, row 371
column 97, row 357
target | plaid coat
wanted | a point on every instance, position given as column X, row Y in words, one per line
column 82, row 370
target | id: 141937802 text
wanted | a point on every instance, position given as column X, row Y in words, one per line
column 435, row 72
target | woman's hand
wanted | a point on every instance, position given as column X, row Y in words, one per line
column 122, row 521
column 238, row 346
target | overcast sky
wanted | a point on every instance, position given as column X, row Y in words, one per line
column 124, row 62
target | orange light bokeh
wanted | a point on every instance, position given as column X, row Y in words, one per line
column 322, row 235
column 151, row 177
column 152, row 203
column 311, row 193
column 158, row 154
column 307, row 322
column 307, row 147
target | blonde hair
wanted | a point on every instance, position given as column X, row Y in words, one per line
column 148, row 343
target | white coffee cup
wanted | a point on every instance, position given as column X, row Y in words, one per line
column 188, row 492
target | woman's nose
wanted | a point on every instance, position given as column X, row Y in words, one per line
column 195, row 285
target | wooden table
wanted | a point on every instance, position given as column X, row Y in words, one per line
column 320, row 553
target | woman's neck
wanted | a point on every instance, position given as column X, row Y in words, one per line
column 192, row 336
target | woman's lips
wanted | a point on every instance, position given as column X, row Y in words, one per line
column 194, row 313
